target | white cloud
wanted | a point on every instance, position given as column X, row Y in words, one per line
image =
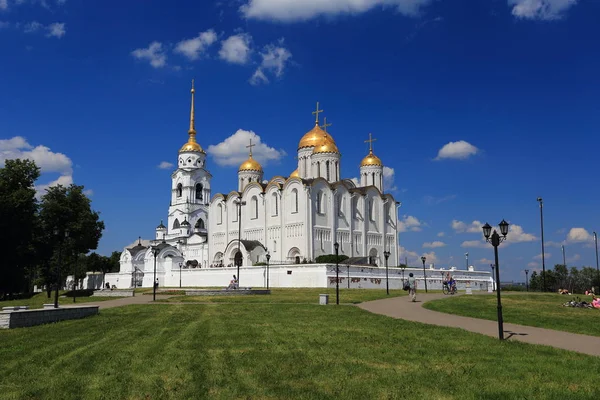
column 274, row 60
column 533, row 264
column 154, row 53
column 47, row 160
column 88, row 192
column 56, row 30
column 232, row 151
column 195, row 47
column 433, row 245
column 430, row 258
column 295, row 10
column 388, row 179
column 461, row 227
column 404, row 253
column 474, row 243
column 575, row 257
column 3, row 4
column 516, row 235
column 441, row 234
column 484, row 261
column 539, row 256
column 409, row 223
column 540, row 9
column 576, row 235
column 165, row 165
column 32, row 27
column 460, row 150
column 236, row 49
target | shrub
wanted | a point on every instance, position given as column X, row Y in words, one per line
column 330, row 259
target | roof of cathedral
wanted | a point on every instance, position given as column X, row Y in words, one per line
column 252, row 244
column 295, row 174
column 314, row 137
column 161, row 226
column 326, row 146
column 191, row 144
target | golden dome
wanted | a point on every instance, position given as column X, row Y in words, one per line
column 326, row 147
column 295, row 174
column 314, row 137
column 191, row 144
column 371, row 160
column 250, row 165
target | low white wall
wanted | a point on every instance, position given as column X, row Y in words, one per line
column 24, row 318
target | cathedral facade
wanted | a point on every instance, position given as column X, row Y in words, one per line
column 293, row 217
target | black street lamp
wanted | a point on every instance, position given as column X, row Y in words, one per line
column 539, row 199
column 493, row 279
column 180, row 243
column 60, row 242
column 155, row 251
column 597, row 270
column 403, row 267
column 239, row 259
column 386, row 254
column 424, row 275
column 527, row 280
column 180, row 265
column 467, row 259
column 336, row 245
column 563, row 253
column 495, row 240
column 268, row 258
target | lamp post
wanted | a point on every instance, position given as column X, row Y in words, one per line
column 563, row 253
column 180, row 265
column 495, row 240
column 527, row 280
column 336, row 245
column 403, row 267
column 424, row 276
column 386, row 254
column 60, row 242
column 268, row 258
column 239, row 203
column 467, row 259
column 180, row 243
column 597, row 269
column 493, row 279
column 539, row 199
column 155, row 251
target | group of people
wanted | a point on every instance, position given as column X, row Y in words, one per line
column 411, row 285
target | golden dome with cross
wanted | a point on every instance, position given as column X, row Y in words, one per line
column 250, row 164
column 371, row 159
column 316, row 135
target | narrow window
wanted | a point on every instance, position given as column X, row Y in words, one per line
column 199, row 189
column 176, row 224
column 179, row 189
column 327, row 171
column 295, row 200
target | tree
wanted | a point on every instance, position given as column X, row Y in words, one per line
column 561, row 274
column 535, row 281
column 68, row 210
column 18, row 207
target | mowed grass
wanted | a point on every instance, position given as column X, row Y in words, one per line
column 540, row 310
column 283, row 351
column 38, row 300
column 292, row 295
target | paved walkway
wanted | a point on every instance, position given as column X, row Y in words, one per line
column 402, row 307
column 125, row 301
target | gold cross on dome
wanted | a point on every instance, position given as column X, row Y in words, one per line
column 250, row 146
column 325, row 125
column 370, row 141
column 317, row 112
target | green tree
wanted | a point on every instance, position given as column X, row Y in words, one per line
column 535, row 281
column 17, row 225
column 69, row 225
column 561, row 274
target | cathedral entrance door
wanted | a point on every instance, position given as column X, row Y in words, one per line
column 238, row 258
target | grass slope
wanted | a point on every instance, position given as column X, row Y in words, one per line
column 38, row 300
column 541, row 310
column 290, row 295
column 262, row 351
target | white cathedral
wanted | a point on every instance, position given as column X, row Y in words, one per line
column 294, row 218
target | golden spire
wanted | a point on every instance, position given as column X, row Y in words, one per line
column 317, row 112
column 325, row 125
column 192, row 125
column 191, row 144
column 370, row 141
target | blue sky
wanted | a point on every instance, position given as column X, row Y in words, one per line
column 478, row 107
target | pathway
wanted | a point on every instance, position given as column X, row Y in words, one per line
column 402, row 307
column 123, row 301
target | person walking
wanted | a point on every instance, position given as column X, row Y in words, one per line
column 412, row 287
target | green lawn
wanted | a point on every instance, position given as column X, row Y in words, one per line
column 284, row 351
column 301, row 295
column 38, row 300
column 537, row 309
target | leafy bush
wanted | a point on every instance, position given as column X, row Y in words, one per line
column 330, row 259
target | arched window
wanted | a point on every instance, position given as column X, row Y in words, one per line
column 321, row 202
column 371, row 209
column 199, row 189
column 341, row 204
column 254, row 202
column 179, row 189
column 318, row 169
column 176, row 224
column 373, row 179
column 200, row 224
column 274, row 204
column 220, row 214
column 327, row 171
column 294, row 201
column 337, row 172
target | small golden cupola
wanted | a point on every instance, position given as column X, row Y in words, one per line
column 371, row 168
column 295, row 174
column 192, row 144
column 371, row 159
column 250, row 170
column 326, row 144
